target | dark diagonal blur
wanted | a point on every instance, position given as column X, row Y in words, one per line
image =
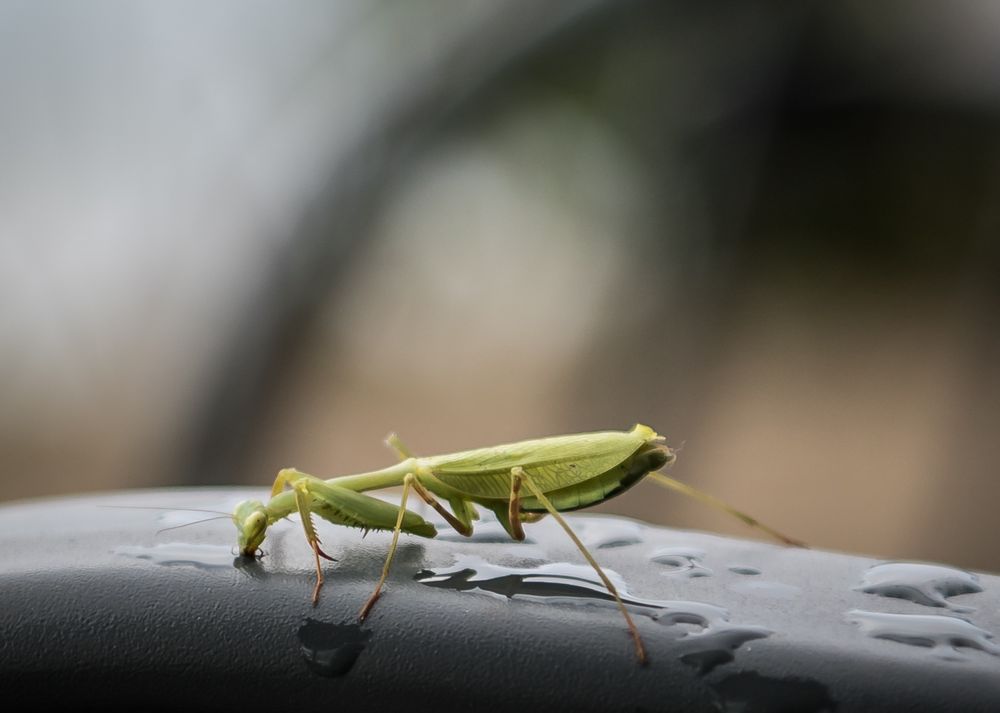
column 239, row 236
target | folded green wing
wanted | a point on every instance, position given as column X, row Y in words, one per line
column 552, row 463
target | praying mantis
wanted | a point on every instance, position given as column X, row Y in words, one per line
column 520, row 482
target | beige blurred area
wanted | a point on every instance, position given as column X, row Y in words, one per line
column 255, row 236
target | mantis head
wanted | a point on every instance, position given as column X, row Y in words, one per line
column 654, row 454
column 250, row 518
column 650, row 457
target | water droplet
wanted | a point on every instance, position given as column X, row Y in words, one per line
column 925, row 584
column 741, row 569
column 331, row 649
column 604, row 533
column 703, row 634
column 943, row 634
column 685, row 561
column 181, row 554
column 713, row 648
column 748, row 691
column 559, row 580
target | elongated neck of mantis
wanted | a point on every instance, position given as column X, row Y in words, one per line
column 385, row 478
column 284, row 503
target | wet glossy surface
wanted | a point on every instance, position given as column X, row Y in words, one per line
column 179, row 554
column 331, row 649
column 705, row 635
column 685, row 561
column 123, row 617
column 556, row 582
column 945, row 635
column 749, row 692
column 927, row 584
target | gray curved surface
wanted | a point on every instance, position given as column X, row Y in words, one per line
column 100, row 610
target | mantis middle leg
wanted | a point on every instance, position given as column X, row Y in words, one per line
column 410, row 481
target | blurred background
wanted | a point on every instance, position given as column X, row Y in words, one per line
column 239, row 236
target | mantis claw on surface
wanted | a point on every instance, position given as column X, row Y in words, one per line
column 520, row 482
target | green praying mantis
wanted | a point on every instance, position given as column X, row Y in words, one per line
column 520, row 482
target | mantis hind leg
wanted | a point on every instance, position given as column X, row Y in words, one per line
column 515, row 515
column 519, row 475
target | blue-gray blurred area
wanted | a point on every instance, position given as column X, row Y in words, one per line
column 236, row 236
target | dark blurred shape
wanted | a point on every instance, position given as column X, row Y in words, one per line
column 308, row 269
column 769, row 230
column 809, row 153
